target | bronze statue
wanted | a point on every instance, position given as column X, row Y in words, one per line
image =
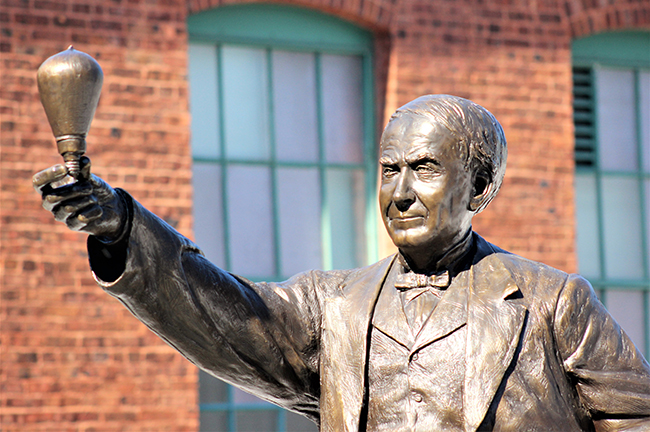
column 450, row 334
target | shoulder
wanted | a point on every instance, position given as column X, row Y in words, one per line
column 375, row 271
column 532, row 277
column 342, row 282
column 380, row 266
column 323, row 284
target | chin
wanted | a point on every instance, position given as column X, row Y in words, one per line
column 406, row 239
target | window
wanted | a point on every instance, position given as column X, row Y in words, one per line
column 612, row 129
column 284, row 161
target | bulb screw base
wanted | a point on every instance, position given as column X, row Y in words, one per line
column 71, row 147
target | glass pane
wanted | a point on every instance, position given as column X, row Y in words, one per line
column 345, row 201
column 213, row 421
column 622, row 224
column 250, row 219
column 644, row 116
column 298, row 423
column 212, row 390
column 627, row 309
column 616, row 119
column 241, row 397
column 245, row 99
column 342, row 95
column 203, row 100
column 587, row 226
column 257, row 421
column 294, row 106
column 208, row 211
column 300, row 227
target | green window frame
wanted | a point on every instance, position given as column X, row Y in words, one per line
column 270, row 29
column 613, row 178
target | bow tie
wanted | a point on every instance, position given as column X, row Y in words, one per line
column 406, row 281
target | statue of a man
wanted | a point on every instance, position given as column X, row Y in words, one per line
column 450, row 334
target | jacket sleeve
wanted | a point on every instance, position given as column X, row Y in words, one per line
column 610, row 375
column 263, row 338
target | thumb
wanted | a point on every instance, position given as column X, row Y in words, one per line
column 84, row 171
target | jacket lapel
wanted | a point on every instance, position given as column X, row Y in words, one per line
column 495, row 321
column 346, row 322
column 389, row 317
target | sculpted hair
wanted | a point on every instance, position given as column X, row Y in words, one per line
column 480, row 136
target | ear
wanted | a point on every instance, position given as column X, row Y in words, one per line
column 481, row 190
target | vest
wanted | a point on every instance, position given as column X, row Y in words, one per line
column 415, row 375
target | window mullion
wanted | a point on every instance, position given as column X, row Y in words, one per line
column 232, row 414
column 223, row 158
column 273, row 166
column 281, row 424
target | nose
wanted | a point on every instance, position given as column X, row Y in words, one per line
column 403, row 195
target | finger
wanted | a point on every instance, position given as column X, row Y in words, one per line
column 79, row 221
column 55, row 197
column 73, row 207
column 84, row 163
column 49, row 175
column 97, row 182
column 67, row 180
column 90, row 214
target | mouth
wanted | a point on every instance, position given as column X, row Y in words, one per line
column 406, row 218
column 406, row 221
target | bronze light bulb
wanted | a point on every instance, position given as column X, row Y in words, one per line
column 69, row 84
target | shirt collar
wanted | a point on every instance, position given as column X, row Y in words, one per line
column 453, row 261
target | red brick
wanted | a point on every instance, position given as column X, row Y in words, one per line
column 68, row 345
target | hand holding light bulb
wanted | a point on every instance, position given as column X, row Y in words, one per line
column 69, row 84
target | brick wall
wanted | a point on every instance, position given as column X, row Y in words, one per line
column 72, row 358
column 587, row 17
column 515, row 61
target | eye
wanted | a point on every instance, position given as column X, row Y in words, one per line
column 389, row 171
column 426, row 169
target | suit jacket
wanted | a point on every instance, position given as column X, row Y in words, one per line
column 542, row 353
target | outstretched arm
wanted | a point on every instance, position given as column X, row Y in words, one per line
column 263, row 338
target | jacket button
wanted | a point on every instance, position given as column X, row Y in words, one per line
column 417, row 397
column 415, row 357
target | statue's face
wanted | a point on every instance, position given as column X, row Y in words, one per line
column 425, row 188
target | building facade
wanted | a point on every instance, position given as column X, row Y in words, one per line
column 220, row 115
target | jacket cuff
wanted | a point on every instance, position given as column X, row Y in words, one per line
column 108, row 256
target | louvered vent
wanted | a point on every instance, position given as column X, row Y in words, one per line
column 584, row 116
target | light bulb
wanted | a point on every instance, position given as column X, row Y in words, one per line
column 69, row 84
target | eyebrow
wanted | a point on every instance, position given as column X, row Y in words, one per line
column 421, row 155
column 387, row 160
